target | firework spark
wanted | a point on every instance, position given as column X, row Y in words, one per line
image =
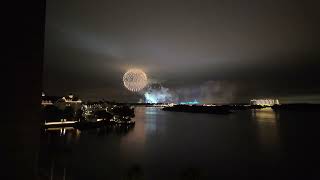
column 135, row 80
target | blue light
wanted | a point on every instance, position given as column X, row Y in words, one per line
column 190, row 102
column 150, row 98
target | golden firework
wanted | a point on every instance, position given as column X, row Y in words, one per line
column 135, row 80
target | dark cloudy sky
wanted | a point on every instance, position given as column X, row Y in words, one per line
column 224, row 50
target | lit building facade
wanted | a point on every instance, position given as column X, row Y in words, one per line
column 69, row 101
column 48, row 100
column 61, row 103
column 264, row 102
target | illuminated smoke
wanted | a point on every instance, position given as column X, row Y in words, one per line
column 210, row 92
column 216, row 92
column 158, row 95
column 219, row 92
column 135, row 80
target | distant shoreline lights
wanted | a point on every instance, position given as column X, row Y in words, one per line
column 264, row 102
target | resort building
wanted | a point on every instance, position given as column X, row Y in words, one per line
column 264, row 102
column 70, row 100
column 48, row 100
column 61, row 102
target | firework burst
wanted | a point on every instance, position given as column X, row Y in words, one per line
column 135, row 80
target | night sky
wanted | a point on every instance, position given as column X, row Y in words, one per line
column 213, row 51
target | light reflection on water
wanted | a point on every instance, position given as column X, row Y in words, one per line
column 151, row 120
column 135, row 141
column 170, row 142
column 266, row 121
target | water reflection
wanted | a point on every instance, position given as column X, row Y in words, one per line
column 133, row 145
column 59, row 147
column 62, row 131
column 151, row 117
column 266, row 121
column 165, row 145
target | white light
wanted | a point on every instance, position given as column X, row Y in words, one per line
column 135, row 80
column 264, row 102
column 63, row 122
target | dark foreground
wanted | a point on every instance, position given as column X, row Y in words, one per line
column 249, row 144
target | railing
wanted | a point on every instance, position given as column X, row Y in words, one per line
column 58, row 123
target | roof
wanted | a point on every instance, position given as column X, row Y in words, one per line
column 50, row 98
column 73, row 98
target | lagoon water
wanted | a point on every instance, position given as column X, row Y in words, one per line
column 251, row 144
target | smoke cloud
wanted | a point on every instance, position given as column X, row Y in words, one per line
column 216, row 92
column 156, row 93
column 210, row 92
